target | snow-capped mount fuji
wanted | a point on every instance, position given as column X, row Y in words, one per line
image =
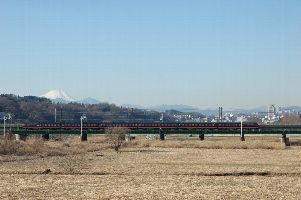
column 58, row 96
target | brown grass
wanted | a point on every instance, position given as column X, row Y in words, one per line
column 33, row 146
column 72, row 164
column 171, row 169
column 207, row 144
column 36, row 146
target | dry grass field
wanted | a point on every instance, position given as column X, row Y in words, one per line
column 217, row 168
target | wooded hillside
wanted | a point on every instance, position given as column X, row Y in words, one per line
column 30, row 109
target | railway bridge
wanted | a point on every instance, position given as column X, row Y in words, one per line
column 162, row 129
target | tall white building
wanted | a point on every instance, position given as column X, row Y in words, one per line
column 271, row 112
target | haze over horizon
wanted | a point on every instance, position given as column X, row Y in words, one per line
column 201, row 53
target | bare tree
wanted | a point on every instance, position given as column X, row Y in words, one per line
column 116, row 136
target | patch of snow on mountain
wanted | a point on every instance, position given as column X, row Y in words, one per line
column 58, row 94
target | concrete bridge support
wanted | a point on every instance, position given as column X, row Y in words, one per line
column 46, row 136
column 242, row 137
column 84, row 136
column 285, row 140
column 202, row 136
column 162, row 135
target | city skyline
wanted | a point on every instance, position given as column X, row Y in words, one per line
column 201, row 53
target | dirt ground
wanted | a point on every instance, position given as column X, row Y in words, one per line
column 153, row 171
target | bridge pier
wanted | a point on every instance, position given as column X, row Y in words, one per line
column 202, row 136
column 242, row 137
column 162, row 135
column 84, row 136
column 45, row 136
column 285, row 140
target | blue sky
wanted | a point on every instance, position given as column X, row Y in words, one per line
column 203, row 53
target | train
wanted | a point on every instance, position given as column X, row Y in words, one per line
column 144, row 126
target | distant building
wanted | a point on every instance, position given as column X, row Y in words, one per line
column 271, row 112
column 272, row 115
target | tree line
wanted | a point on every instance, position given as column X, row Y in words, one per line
column 32, row 109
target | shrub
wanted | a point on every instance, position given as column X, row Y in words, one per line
column 116, row 137
column 34, row 146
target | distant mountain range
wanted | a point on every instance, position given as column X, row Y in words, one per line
column 163, row 108
column 59, row 96
column 89, row 100
column 181, row 108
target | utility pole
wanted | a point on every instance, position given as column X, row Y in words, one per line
column 4, row 119
column 55, row 115
column 61, row 113
column 82, row 136
column 11, row 122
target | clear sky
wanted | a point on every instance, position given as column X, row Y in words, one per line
column 151, row 52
